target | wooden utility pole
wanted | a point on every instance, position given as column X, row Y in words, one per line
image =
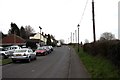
column 93, row 15
column 76, row 36
column 71, row 37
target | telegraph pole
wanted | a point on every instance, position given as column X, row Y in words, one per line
column 76, row 36
column 71, row 37
column 68, row 40
column 93, row 15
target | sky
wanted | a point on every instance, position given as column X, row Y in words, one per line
column 61, row 17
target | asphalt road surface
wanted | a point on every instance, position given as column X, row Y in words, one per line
column 63, row 62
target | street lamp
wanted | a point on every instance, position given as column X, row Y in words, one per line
column 40, row 35
column 78, row 36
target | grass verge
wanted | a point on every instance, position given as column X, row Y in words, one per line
column 5, row 61
column 97, row 66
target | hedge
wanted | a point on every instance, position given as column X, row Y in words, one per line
column 110, row 49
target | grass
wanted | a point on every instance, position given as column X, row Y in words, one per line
column 97, row 66
column 5, row 61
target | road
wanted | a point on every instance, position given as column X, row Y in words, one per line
column 63, row 62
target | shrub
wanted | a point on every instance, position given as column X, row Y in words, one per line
column 109, row 49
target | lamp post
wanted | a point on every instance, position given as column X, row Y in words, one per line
column 40, row 35
column 78, row 36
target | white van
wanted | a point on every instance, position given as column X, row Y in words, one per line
column 58, row 44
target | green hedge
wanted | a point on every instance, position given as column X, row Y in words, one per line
column 108, row 49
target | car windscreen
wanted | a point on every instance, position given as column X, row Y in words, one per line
column 18, row 51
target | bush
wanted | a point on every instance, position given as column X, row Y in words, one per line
column 114, row 53
column 109, row 49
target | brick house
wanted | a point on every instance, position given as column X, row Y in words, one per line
column 12, row 39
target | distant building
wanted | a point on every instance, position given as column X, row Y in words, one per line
column 12, row 39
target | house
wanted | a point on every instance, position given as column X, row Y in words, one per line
column 12, row 39
column 39, row 38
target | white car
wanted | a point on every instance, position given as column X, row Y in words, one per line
column 3, row 53
column 51, row 48
column 11, row 49
column 23, row 54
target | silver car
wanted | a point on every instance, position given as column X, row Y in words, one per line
column 23, row 54
column 47, row 48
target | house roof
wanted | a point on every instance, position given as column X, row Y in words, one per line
column 12, row 39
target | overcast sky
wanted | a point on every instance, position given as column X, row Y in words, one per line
column 60, row 17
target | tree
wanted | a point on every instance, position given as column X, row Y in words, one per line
column 86, row 41
column 52, row 37
column 49, row 40
column 29, row 30
column 23, row 33
column 107, row 36
column 53, row 43
column 14, row 29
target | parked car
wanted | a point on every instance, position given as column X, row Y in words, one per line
column 23, row 54
column 3, row 53
column 47, row 48
column 11, row 49
column 51, row 48
column 41, row 51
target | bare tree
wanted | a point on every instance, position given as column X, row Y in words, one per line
column 23, row 33
column 14, row 29
column 29, row 30
column 86, row 41
column 107, row 36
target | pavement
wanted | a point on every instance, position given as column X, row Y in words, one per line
column 63, row 62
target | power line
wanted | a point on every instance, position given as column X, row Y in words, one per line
column 84, row 11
